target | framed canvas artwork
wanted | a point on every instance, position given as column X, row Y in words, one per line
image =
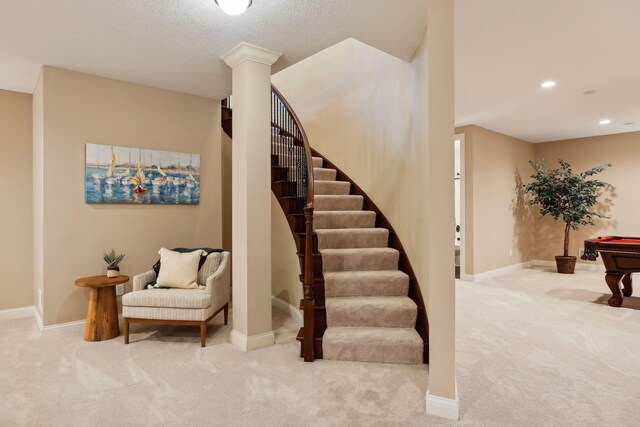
column 141, row 176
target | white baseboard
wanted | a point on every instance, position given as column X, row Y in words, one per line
column 17, row 313
column 288, row 308
column 57, row 330
column 443, row 407
column 64, row 329
column 481, row 277
column 253, row 342
column 38, row 318
column 593, row 267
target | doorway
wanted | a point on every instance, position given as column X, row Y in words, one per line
column 459, row 184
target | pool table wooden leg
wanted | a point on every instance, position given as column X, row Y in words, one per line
column 613, row 281
column 628, row 285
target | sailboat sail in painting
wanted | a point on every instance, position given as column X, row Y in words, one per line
column 160, row 177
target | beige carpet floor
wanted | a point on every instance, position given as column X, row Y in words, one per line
column 534, row 349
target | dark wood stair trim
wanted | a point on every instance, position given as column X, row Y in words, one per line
column 422, row 321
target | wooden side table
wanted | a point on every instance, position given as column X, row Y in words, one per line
column 102, row 313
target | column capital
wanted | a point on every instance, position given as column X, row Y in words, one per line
column 248, row 52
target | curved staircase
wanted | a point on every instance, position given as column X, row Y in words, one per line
column 369, row 315
column 362, row 300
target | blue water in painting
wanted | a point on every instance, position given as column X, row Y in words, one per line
column 100, row 191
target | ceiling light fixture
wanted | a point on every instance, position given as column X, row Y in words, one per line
column 548, row 84
column 234, row 7
column 605, row 121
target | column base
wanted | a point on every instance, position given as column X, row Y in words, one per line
column 443, row 407
column 253, row 342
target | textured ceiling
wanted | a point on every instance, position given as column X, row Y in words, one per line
column 504, row 49
column 177, row 45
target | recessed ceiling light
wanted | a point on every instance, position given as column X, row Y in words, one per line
column 233, row 7
column 548, row 84
column 605, row 121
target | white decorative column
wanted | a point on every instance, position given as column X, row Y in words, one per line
column 251, row 199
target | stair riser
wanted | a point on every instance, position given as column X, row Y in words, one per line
column 347, row 219
column 324, row 174
column 292, row 205
column 317, row 263
column 331, row 188
column 283, row 188
column 317, row 162
column 356, row 262
column 279, row 173
column 338, row 203
column 297, row 223
column 373, row 316
column 373, row 352
column 300, row 240
column 347, row 288
column 318, row 288
column 365, row 238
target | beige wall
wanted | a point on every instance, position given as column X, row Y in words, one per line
column 16, row 264
column 621, row 205
column 285, row 266
column 354, row 101
column 38, row 195
column 226, row 169
column 436, row 224
column 80, row 109
column 389, row 125
column 499, row 222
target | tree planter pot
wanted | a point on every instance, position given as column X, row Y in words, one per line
column 113, row 272
column 566, row 264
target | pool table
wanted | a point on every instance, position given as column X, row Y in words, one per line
column 621, row 257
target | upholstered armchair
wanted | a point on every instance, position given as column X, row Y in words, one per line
column 193, row 307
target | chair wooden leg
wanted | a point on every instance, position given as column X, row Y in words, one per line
column 126, row 330
column 203, row 334
column 226, row 313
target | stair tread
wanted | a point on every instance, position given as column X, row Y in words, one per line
column 337, row 213
column 371, row 335
column 373, row 344
column 338, row 196
column 366, row 283
column 338, row 202
column 333, row 220
column 368, row 230
column 332, row 181
column 399, row 302
column 371, row 311
column 364, row 274
column 350, row 251
column 331, row 187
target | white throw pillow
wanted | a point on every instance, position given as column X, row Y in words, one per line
column 179, row 270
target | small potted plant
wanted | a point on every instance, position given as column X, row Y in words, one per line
column 568, row 196
column 112, row 261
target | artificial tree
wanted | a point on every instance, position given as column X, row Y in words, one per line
column 564, row 194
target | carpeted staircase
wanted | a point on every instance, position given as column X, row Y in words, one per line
column 370, row 317
column 362, row 301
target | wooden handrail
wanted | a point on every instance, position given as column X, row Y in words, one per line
column 285, row 129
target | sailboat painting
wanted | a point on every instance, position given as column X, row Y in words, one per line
column 116, row 174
